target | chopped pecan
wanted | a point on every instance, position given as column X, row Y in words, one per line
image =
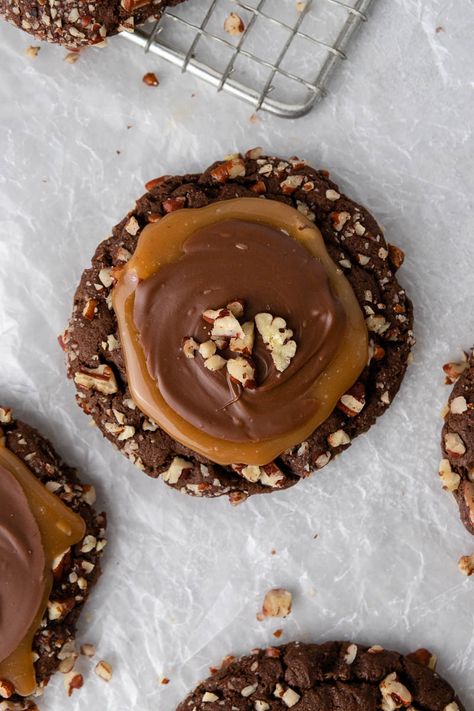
column 228, row 170
column 175, row 470
column 233, row 24
column 353, row 401
column 244, row 345
column 454, row 370
column 101, row 379
column 242, row 370
column 396, row 255
column 172, row 204
column 277, row 603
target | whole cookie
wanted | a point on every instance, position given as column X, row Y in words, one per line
column 355, row 244
column 457, row 438
column 74, row 573
column 76, row 24
column 335, row 676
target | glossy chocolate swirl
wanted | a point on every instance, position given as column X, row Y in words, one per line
column 268, row 254
column 272, row 273
column 22, row 564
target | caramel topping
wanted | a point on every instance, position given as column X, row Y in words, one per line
column 272, row 257
column 35, row 528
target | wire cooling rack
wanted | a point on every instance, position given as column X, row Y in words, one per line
column 280, row 63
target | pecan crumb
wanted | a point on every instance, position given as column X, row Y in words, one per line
column 104, row 670
column 466, row 564
column 32, row 51
column 150, row 79
column 71, row 57
column 277, row 603
column 233, row 24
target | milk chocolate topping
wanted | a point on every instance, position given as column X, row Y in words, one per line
column 22, row 564
column 35, row 528
column 272, row 273
column 330, row 331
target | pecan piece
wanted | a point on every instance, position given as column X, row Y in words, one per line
column 101, row 379
column 353, row 401
column 277, row 603
column 228, row 170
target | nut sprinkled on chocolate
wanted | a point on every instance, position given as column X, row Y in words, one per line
column 228, row 333
column 277, row 338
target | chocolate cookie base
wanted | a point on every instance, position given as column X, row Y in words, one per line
column 67, row 598
column 332, row 676
column 356, row 244
column 457, row 440
column 76, row 24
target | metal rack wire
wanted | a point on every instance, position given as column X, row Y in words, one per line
column 280, row 63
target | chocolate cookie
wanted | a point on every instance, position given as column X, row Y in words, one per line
column 325, row 677
column 77, row 24
column 24, row 451
column 457, row 438
column 356, row 246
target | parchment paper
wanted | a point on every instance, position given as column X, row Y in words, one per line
column 183, row 578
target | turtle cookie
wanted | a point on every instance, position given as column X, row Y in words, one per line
column 77, row 24
column 240, row 328
column 457, row 443
column 51, row 541
column 325, row 677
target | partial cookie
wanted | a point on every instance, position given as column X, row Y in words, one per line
column 50, row 505
column 457, row 439
column 77, row 24
column 355, row 244
column 325, row 677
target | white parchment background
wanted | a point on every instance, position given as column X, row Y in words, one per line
column 183, row 578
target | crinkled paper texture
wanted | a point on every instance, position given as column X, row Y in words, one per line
column 369, row 546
